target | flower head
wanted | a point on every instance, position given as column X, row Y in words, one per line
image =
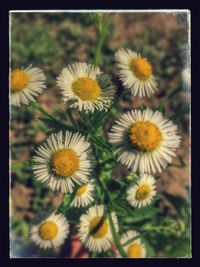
column 63, row 160
column 84, row 87
column 25, row 84
column 145, row 140
column 94, row 229
column 141, row 193
column 136, row 73
column 51, row 232
column 84, row 195
column 134, row 249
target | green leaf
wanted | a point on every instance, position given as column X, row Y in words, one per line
column 20, row 228
column 55, row 124
column 86, row 120
column 142, row 214
column 100, row 143
column 73, row 214
column 21, row 165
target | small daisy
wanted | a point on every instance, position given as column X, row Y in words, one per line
column 25, row 85
column 84, row 195
column 141, row 193
column 85, row 87
column 134, row 249
column 145, row 140
column 136, row 73
column 51, row 232
column 63, row 160
column 94, row 229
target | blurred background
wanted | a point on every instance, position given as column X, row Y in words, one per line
column 53, row 40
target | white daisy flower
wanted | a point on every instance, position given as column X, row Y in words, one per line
column 141, row 194
column 145, row 140
column 84, row 195
column 25, row 85
column 51, row 232
column 135, row 73
column 134, row 249
column 63, row 160
column 94, row 229
column 85, row 87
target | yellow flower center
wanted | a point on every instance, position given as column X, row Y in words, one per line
column 143, row 192
column 145, row 136
column 64, row 162
column 19, row 80
column 81, row 190
column 98, row 227
column 135, row 250
column 86, row 89
column 141, row 67
column 48, row 230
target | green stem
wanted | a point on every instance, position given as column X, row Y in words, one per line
column 22, row 164
column 98, row 170
column 116, row 237
column 158, row 229
column 71, row 118
column 101, row 39
column 98, row 165
column 102, row 183
column 57, row 122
